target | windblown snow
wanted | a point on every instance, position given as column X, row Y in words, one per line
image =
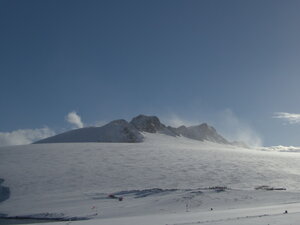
column 164, row 177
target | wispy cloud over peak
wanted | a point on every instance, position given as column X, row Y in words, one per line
column 74, row 119
column 292, row 118
column 176, row 121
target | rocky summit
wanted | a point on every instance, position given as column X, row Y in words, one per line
column 150, row 124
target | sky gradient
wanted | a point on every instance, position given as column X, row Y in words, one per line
column 233, row 64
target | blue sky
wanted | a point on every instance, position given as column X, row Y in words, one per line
column 224, row 62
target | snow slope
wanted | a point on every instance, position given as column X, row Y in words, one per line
column 157, row 178
column 270, row 215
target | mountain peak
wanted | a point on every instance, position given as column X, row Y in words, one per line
column 204, row 125
column 200, row 132
column 150, row 124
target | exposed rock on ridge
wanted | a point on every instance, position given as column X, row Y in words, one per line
column 150, row 124
column 201, row 132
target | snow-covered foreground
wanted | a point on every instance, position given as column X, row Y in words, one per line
column 246, row 216
column 159, row 179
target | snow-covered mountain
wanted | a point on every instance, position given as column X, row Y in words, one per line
column 175, row 179
column 146, row 170
column 122, row 131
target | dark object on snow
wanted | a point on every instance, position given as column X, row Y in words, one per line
column 211, row 209
column 144, row 192
column 112, row 196
column 268, row 188
column 218, row 188
column 285, row 212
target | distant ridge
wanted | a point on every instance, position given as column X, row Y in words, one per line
column 131, row 132
column 202, row 132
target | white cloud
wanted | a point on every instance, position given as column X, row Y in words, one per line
column 26, row 136
column 280, row 148
column 291, row 118
column 74, row 119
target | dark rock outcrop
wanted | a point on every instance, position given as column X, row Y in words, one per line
column 150, row 124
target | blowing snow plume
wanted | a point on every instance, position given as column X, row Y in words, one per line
column 74, row 119
column 176, row 121
column 235, row 129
